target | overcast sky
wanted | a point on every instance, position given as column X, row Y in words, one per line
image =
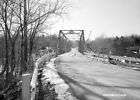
column 109, row 17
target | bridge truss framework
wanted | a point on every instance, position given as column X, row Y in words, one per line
column 63, row 36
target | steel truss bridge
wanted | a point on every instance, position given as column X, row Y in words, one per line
column 70, row 35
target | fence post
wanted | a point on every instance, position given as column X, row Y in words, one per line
column 26, row 95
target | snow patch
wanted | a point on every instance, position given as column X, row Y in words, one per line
column 50, row 75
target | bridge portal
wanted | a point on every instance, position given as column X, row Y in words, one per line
column 76, row 38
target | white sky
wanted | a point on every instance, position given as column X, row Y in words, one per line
column 109, row 17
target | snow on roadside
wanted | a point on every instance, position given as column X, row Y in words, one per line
column 0, row 68
column 61, row 88
column 35, row 73
column 34, row 83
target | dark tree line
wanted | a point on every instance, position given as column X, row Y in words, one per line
column 52, row 41
column 121, row 46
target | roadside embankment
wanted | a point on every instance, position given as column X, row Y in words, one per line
column 47, row 83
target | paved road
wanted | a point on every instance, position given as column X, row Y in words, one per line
column 97, row 81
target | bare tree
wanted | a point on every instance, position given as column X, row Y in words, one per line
column 38, row 14
column 25, row 18
column 10, row 31
column 21, row 21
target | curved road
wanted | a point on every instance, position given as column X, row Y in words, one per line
column 97, row 81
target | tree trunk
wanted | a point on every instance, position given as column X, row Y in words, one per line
column 6, row 46
column 24, row 44
column 12, row 56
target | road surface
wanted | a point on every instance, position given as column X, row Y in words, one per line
column 92, row 80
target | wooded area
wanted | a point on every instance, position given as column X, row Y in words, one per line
column 120, row 46
column 20, row 22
